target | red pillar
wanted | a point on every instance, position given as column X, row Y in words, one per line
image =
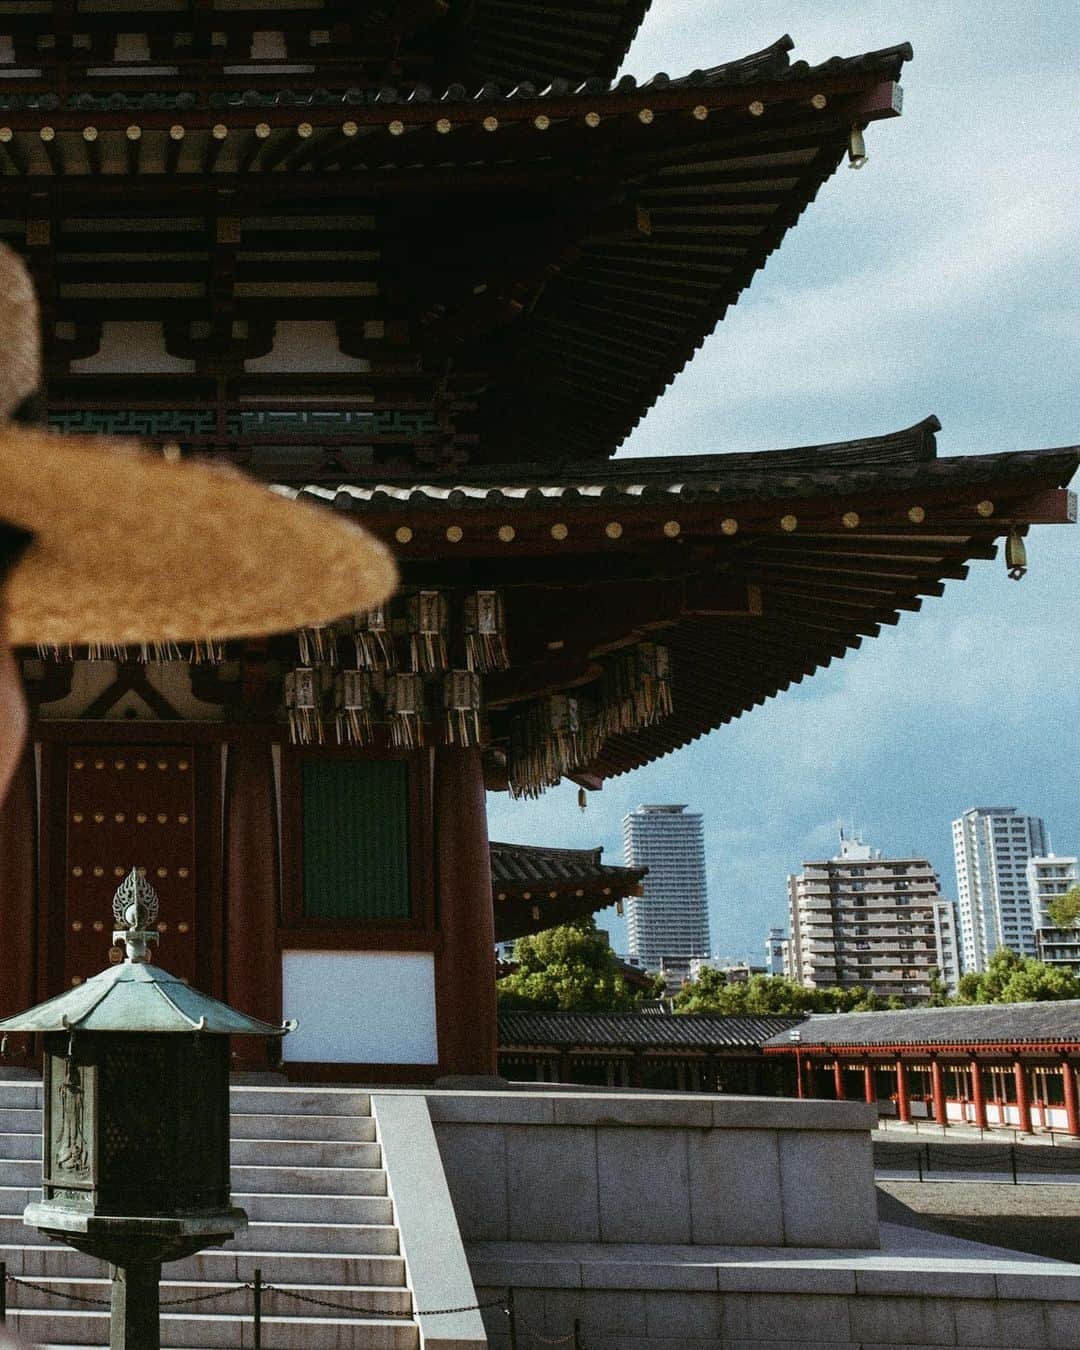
column 838, row 1079
column 977, row 1094
column 1023, row 1101
column 18, row 898
column 466, row 921
column 869, row 1090
column 1068, row 1082
column 252, row 889
column 903, row 1102
column 800, row 1091
column 937, row 1081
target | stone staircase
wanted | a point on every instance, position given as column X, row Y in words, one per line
column 308, row 1169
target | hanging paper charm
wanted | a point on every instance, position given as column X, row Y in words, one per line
column 405, row 708
column 637, row 689
column 317, row 645
column 354, row 699
column 429, row 621
column 485, row 632
column 303, row 700
column 374, row 640
column 461, row 703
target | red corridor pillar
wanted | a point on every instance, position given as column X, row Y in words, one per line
column 903, row 1102
column 838, row 1079
column 937, row 1081
column 869, row 1090
column 18, row 898
column 977, row 1094
column 1023, row 1101
column 1068, row 1083
column 252, row 890
column 466, row 920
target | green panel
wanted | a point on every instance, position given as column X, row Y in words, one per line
column 356, row 839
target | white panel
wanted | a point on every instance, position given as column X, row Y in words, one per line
column 360, row 1007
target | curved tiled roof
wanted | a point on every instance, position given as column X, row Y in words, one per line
column 585, row 1030
column 535, row 887
column 1056, row 1022
column 516, row 865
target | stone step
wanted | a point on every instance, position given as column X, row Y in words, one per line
column 297, row 1153
column 14, row 1199
column 252, row 1179
column 53, row 1292
column 299, row 1101
column 357, row 1129
column 350, row 1209
column 313, row 1237
column 21, row 1094
column 23, row 1144
column 19, row 1119
column 70, row 1329
column 219, row 1265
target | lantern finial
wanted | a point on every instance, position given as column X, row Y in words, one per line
column 136, row 905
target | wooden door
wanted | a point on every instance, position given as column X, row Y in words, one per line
column 129, row 806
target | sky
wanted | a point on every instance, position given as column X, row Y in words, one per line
column 941, row 278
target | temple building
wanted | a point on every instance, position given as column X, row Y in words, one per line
column 428, row 264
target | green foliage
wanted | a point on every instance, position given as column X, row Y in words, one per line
column 1010, row 978
column 939, row 990
column 711, row 993
column 568, row 969
column 1064, row 910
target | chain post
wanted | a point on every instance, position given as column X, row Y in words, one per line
column 3, row 1292
column 513, row 1319
column 257, row 1292
column 1012, row 1159
column 579, row 1344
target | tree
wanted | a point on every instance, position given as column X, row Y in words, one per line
column 1064, row 910
column 1011, row 978
column 568, row 969
column 711, row 993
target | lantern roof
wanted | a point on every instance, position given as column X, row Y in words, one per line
column 136, row 996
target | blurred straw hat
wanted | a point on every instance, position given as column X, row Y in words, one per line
column 128, row 547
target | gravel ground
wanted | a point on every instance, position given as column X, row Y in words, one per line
column 1041, row 1219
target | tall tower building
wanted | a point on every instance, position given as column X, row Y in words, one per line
column 992, row 846
column 861, row 919
column 669, row 923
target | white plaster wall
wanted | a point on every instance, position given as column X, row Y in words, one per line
column 360, row 1007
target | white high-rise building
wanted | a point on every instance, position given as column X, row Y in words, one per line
column 861, row 919
column 992, row 846
column 668, row 924
column 1049, row 877
column 776, row 952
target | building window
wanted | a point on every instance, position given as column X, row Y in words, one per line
column 356, row 840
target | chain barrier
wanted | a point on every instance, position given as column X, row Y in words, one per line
column 266, row 1289
column 506, row 1303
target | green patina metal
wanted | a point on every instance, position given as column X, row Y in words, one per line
column 135, row 1156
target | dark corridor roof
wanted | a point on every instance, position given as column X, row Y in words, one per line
column 992, row 1023
column 626, row 1031
column 523, row 865
column 535, row 887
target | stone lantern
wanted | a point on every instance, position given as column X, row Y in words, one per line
column 135, row 1157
